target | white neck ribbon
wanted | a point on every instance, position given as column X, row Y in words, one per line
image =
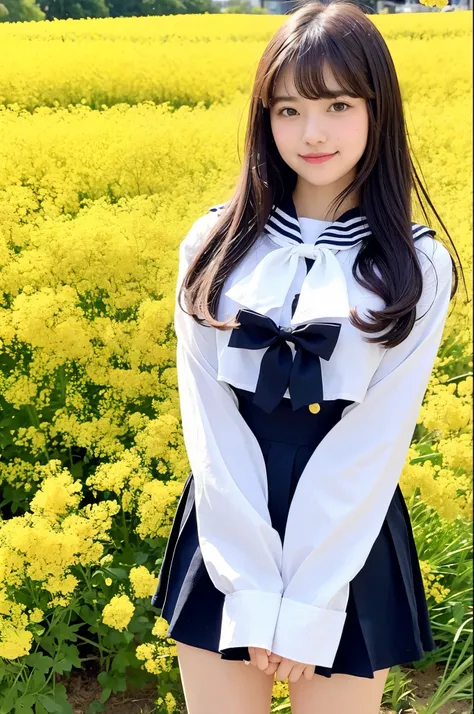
column 324, row 289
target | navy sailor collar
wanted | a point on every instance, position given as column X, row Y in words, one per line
column 348, row 230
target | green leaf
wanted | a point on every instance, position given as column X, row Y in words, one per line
column 114, row 681
column 139, row 624
column 105, row 679
column 72, row 654
column 121, row 661
column 120, row 573
column 140, row 558
column 174, row 673
column 7, row 704
column 63, row 632
column 62, row 665
column 39, row 709
column 48, row 704
column 23, row 706
column 88, row 615
column 120, row 684
column 39, row 661
column 433, row 456
column 105, row 694
column 76, row 470
column 60, row 698
column 23, row 709
column 115, row 638
column 38, row 680
column 458, row 613
column 48, row 644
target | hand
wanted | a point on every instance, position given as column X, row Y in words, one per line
column 270, row 662
column 291, row 669
column 265, row 660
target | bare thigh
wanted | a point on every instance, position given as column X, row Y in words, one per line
column 338, row 694
column 213, row 685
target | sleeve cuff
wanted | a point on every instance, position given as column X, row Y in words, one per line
column 248, row 619
column 308, row 634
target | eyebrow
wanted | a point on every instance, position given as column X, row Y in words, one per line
column 287, row 98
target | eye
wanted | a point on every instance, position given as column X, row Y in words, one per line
column 340, row 103
column 284, row 108
column 343, row 104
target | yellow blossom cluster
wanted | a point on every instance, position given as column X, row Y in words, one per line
column 143, row 582
column 432, row 583
column 184, row 60
column 39, row 549
column 444, row 483
column 434, row 3
column 15, row 638
column 118, row 612
column 94, row 201
column 157, row 655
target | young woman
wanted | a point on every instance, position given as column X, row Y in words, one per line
column 315, row 308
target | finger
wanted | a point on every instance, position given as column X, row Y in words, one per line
column 284, row 668
column 253, row 659
column 272, row 668
column 308, row 671
column 296, row 672
column 262, row 658
column 273, row 662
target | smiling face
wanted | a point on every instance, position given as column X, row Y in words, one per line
column 334, row 126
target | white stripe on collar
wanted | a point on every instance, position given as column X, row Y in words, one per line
column 350, row 228
column 347, row 227
column 324, row 290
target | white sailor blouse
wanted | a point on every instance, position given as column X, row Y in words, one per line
column 291, row 597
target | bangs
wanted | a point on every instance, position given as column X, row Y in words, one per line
column 307, row 64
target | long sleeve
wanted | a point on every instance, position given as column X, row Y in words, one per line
column 241, row 550
column 346, row 488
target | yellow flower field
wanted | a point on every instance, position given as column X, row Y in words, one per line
column 116, row 134
column 188, row 59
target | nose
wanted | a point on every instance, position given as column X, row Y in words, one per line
column 314, row 132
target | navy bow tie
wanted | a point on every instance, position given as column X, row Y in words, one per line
column 278, row 370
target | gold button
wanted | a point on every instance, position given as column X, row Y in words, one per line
column 314, row 408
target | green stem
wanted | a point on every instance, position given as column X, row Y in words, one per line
column 33, row 414
column 95, row 644
column 62, row 384
column 23, row 667
column 100, row 646
column 125, row 529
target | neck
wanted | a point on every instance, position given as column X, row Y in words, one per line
column 314, row 201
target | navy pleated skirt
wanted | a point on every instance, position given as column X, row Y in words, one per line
column 387, row 620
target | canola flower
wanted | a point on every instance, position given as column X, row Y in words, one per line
column 434, row 3
column 185, row 59
column 39, row 549
column 94, row 201
column 156, row 655
column 143, row 582
column 118, row 612
column 432, row 583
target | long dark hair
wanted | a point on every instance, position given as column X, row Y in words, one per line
column 341, row 34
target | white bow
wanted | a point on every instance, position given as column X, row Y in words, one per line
column 324, row 290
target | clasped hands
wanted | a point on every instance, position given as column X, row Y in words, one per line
column 269, row 663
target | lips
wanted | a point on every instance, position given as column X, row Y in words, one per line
column 316, row 156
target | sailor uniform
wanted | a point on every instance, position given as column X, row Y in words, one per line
column 292, row 533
